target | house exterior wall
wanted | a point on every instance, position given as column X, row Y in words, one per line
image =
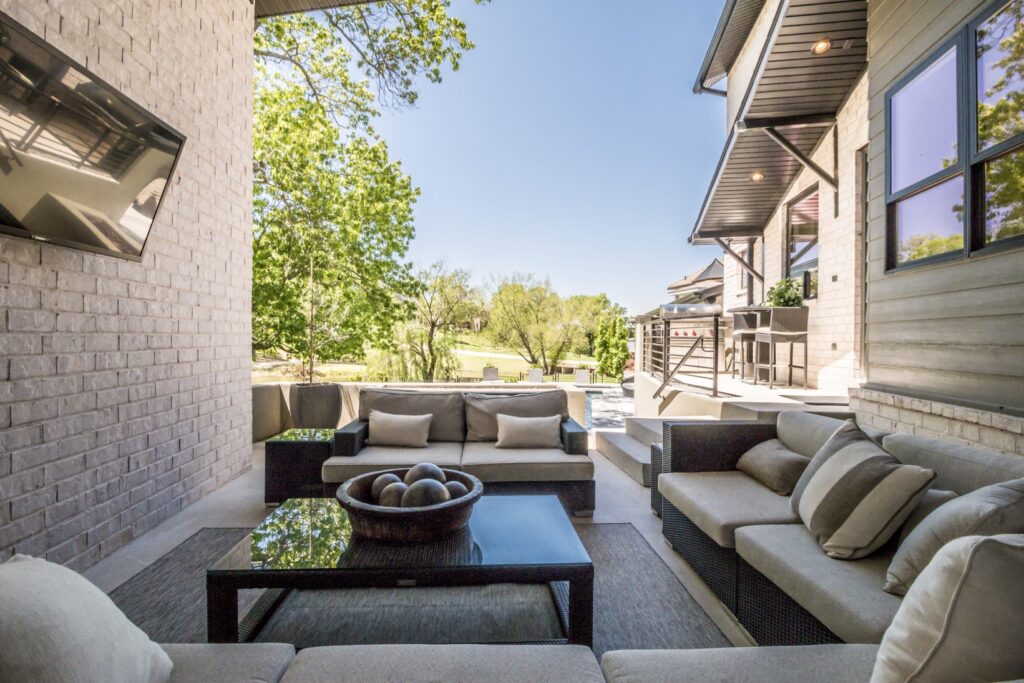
column 834, row 317
column 746, row 61
column 951, row 330
column 125, row 387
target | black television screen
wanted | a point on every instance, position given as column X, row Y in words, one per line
column 80, row 164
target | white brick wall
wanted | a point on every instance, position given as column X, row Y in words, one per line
column 894, row 413
column 834, row 317
column 125, row 387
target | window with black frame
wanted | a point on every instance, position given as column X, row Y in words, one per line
column 802, row 239
column 956, row 178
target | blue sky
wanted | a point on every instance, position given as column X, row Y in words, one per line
column 569, row 145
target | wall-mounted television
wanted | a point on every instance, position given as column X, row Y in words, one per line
column 81, row 165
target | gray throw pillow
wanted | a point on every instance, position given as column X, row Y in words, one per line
column 962, row 619
column 846, row 434
column 529, row 432
column 859, row 497
column 774, row 465
column 402, row 431
column 482, row 410
column 995, row 509
column 930, row 501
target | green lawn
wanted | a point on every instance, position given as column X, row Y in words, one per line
column 475, row 351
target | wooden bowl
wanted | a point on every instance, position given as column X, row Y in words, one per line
column 407, row 525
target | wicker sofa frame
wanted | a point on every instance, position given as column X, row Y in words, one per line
column 768, row 613
column 577, row 497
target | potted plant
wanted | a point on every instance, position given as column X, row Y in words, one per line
column 785, row 294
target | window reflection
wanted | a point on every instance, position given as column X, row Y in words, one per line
column 803, row 244
column 1004, row 197
column 1000, row 69
column 931, row 222
column 924, row 124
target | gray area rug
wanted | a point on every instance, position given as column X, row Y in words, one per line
column 638, row 603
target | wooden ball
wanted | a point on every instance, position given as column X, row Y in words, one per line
column 381, row 482
column 424, row 470
column 392, row 495
column 425, row 492
column 457, row 489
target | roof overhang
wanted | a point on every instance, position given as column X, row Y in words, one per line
column 734, row 26
column 273, row 8
column 789, row 106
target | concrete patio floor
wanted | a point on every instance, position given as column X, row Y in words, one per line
column 239, row 503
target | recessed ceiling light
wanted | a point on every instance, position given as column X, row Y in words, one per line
column 821, row 46
column 757, row 176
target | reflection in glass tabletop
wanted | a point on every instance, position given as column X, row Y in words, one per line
column 304, row 435
column 504, row 531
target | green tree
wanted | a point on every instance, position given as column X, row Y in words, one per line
column 424, row 348
column 332, row 223
column 922, row 246
column 612, row 346
column 332, row 212
column 527, row 315
column 592, row 310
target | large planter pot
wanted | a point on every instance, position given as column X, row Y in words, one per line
column 315, row 406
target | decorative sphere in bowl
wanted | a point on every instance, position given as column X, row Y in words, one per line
column 417, row 520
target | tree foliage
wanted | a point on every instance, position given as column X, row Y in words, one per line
column 332, row 212
column 612, row 346
column 332, row 222
column 424, row 348
column 527, row 315
column 592, row 309
column 1000, row 117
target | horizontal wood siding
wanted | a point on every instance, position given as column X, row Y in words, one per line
column 953, row 329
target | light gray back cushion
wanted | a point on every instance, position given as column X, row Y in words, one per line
column 962, row 619
column 447, row 407
column 957, row 467
column 482, row 410
column 805, row 433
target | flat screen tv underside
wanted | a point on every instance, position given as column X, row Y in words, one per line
column 81, row 165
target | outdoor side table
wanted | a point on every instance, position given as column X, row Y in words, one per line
column 293, row 462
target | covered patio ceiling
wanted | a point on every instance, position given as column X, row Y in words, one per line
column 273, row 8
column 787, row 110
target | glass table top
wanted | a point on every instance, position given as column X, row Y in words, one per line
column 305, row 435
column 503, row 531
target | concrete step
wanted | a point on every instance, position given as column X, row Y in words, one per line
column 629, row 455
column 644, row 429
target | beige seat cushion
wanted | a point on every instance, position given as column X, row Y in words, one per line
column 229, row 663
column 489, row 463
column 720, row 502
column 805, row 433
column 340, row 468
column 963, row 619
column 808, row 664
column 846, row 596
column 448, row 663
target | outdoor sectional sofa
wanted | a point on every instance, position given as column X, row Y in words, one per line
column 751, row 549
column 462, row 435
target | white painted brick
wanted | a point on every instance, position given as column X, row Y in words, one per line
column 83, row 335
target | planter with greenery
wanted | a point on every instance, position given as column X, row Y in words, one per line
column 785, row 294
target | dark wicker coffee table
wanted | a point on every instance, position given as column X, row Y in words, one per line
column 293, row 462
column 309, row 544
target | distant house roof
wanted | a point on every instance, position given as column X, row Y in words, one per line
column 735, row 24
column 273, row 8
column 713, row 272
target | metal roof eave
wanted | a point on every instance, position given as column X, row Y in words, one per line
column 273, row 8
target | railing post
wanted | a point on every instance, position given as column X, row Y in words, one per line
column 666, row 340
column 714, row 361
